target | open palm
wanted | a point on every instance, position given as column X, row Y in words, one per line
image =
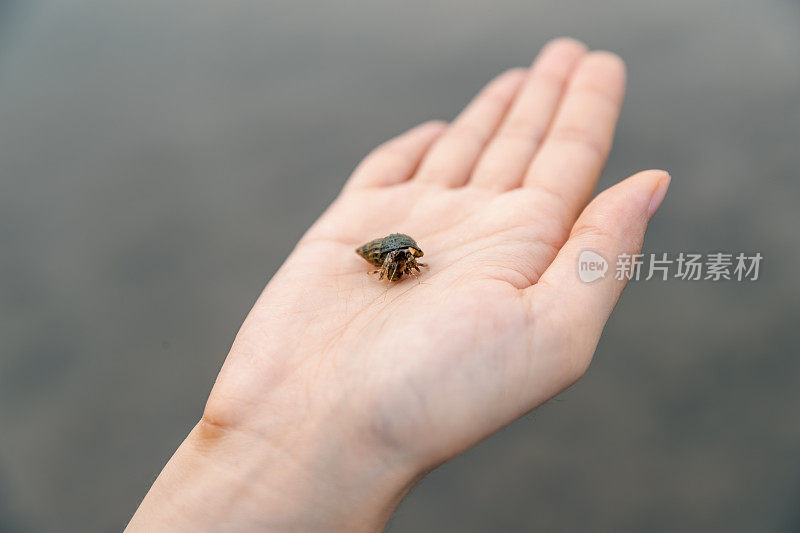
column 500, row 322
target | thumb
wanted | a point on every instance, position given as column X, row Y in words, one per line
column 577, row 299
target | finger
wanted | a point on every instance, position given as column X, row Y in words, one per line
column 397, row 159
column 451, row 159
column 566, row 300
column 575, row 148
column 502, row 165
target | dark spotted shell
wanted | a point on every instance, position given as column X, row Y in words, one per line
column 375, row 251
column 397, row 241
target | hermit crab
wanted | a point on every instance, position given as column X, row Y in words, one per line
column 394, row 255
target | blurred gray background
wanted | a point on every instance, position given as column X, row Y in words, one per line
column 159, row 159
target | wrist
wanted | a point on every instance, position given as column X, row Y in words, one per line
column 227, row 478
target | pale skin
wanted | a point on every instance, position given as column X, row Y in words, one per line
column 338, row 394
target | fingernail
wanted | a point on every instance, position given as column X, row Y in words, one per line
column 658, row 195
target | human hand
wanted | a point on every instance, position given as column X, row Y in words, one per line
column 341, row 391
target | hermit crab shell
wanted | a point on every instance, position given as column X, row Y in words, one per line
column 375, row 251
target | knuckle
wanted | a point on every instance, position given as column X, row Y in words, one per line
column 556, row 199
column 593, row 232
column 390, row 155
column 521, row 130
column 464, row 133
column 582, row 137
column 599, row 93
column 555, row 76
column 500, row 91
